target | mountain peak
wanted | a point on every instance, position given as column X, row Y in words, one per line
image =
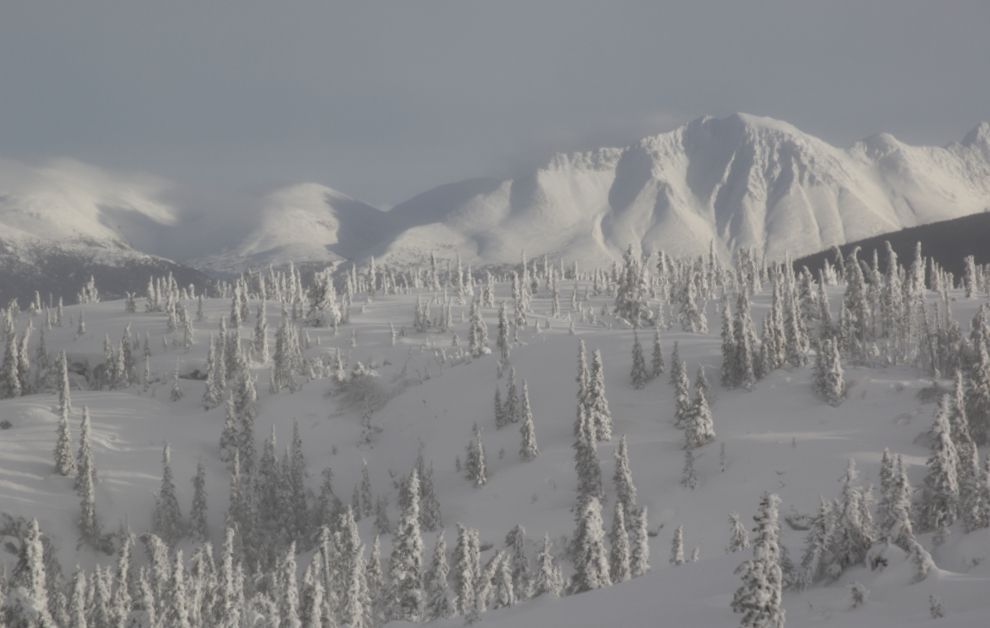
column 979, row 136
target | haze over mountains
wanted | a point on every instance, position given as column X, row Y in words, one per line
column 742, row 182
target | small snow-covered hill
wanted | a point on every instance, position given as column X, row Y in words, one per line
column 742, row 182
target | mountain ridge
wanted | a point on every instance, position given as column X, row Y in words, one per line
column 740, row 182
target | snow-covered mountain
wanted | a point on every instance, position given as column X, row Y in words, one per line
column 742, row 181
column 304, row 224
column 64, row 221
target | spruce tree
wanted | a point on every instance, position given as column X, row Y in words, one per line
column 197, row 514
column 759, row 597
column 619, row 570
column 589, row 471
column 818, row 547
column 940, row 503
column 598, row 413
column 500, row 419
column 26, row 602
column 738, row 536
column 698, row 425
column 547, row 580
column 475, row 467
column 639, row 373
column 515, row 543
column 639, row 540
column 405, row 564
column 622, row 478
column 168, row 518
column 658, row 364
column 175, row 603
column 510, row 410
column 228, row 436
column 528, row 449
column 65, row 463
column 463, row 572
column 439, row 604
column 591, row 569
column 682, row 395
column 429, row 514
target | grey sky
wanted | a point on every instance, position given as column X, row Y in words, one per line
column 383, row 100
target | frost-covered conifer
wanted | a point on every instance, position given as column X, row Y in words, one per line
column 698, row 425
column 464, row 572
column 168, row 517
column 503, row 343
column 197, row 514
column 26, row 602
column 176, row 613
column 622, row 478
column 759, row 597
column 738, row 536
column 176, row 393
column 828, row 382
column 940, row 502
column 65, row 463
column 528, row 448
column 10, row 384
column 677, row 547
column 547, row 580
column 586, row 461
column 619, row 553
column 639, row 374
column 818, row 557
column 439, row 596
column 591, row 569
column 854, row 530
column 597, row 404
column 475, row 467
column 500, row 419
column 682, row 395
column 228, row 436
column 510, row 410
column 639, row 540
column 382, row 524
column 657, row 363
column 429, row 514
column 405, row 564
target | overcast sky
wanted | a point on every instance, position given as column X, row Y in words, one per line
column 383, row 100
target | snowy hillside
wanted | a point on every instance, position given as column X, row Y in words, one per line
column 405, row 376
column 742, row 181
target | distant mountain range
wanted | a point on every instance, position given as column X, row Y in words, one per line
column 740, row 182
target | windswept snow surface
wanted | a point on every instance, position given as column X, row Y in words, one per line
column 779, row 437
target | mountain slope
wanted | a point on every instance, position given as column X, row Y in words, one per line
column 64, row 221
column 742, row 181
column 307, row 223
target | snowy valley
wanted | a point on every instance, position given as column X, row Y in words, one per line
column 304, row 407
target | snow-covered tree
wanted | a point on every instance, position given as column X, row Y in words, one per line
column 677, row 547
column 738, row 535
column 591, row 569
column 464, row 572
column 699, row 428
column 597, row 404
column 168, row 517
column 622, row 478
column 547, row 580
column 619, row 570
column 439, row 596
column 639, row 373
column 828, row 382
column 405, row 565
column 940, row 501
column 759, row 599
column 639, row 540
column 475, row 467
column 657, row 361
column 26, row 603
column 197, row 514
column 528, row 449
column 515, row 543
